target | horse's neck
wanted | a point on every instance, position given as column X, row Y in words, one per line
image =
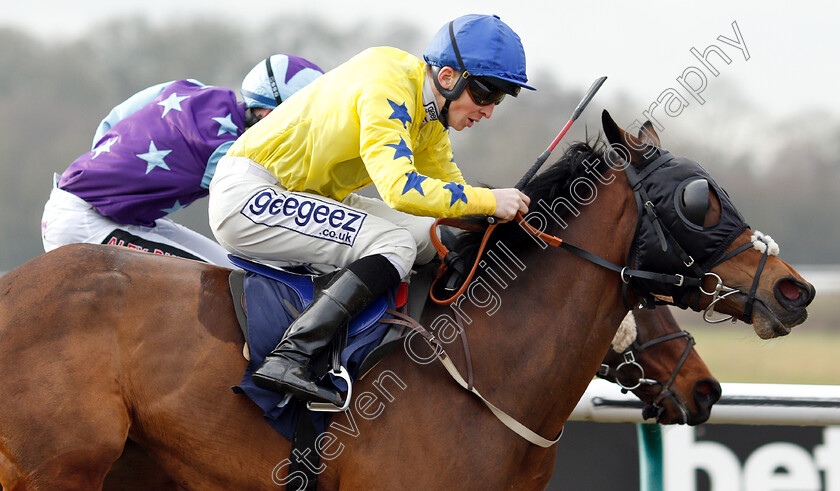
column 537, row 338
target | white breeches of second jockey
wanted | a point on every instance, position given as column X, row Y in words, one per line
column 253, row 216
column 68, row 219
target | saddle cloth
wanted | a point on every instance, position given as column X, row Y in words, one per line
column 273, row 299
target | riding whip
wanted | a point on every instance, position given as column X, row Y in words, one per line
column 579, row 109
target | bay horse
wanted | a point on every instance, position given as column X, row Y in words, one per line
column 100, row 344
column 657, row 362
column 663, row 370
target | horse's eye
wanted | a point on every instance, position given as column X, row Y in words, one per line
column 693, row 202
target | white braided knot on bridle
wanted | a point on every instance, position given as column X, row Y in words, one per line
column 763, row 243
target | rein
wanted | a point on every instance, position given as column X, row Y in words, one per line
column 452, row 260
column 646, row 210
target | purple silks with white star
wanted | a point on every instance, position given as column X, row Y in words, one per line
column 160, row 158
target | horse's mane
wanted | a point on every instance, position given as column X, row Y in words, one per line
column 551, row 184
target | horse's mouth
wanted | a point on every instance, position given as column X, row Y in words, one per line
column 766, row 324
column 677, row 415
column 771, row 323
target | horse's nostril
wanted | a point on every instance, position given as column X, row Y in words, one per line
column 707, row 390
column 789, row 290
column 792, row 293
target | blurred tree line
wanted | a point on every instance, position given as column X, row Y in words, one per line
column 52, row 97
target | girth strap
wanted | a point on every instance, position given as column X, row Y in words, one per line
column 304, row 439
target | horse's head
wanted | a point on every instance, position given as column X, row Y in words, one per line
column 690, row 232
column 655, row 359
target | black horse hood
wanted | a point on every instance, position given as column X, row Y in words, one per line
column 673, row 198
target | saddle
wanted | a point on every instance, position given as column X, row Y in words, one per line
column 267, row 298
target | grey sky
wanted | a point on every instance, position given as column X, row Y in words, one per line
column 642, row 46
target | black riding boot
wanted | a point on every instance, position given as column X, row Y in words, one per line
column 287, row 368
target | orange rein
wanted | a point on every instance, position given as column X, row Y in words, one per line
column 443, row 252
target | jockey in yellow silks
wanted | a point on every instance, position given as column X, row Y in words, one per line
column 285, row 190
column 365, row 123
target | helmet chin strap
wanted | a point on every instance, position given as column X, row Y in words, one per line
column 458, row 89
column 444, row 114
column 448, row 94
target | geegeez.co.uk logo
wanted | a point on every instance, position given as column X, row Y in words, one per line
column 305, row 215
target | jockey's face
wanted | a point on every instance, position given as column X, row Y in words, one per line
column 463, row 112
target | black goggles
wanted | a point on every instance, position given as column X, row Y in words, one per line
column 484, row 93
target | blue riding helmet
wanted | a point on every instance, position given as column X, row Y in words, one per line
column 276, row 78
column 481, row 46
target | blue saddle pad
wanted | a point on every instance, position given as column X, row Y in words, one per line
column 266, row 288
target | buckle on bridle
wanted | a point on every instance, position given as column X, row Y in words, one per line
column 682, row 280
column 626, row 281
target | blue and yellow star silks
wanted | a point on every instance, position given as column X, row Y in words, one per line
column 375, row 102
column 414, row 181
column 400, row 113
column 400, row 149
column 457, row 191
column 154, row 157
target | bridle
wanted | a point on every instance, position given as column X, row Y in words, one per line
column 630, row 375
column 685, row 211
column 768, row 247
column 680, row 286
column 452, row 263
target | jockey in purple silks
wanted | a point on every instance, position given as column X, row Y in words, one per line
column 155, row 153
